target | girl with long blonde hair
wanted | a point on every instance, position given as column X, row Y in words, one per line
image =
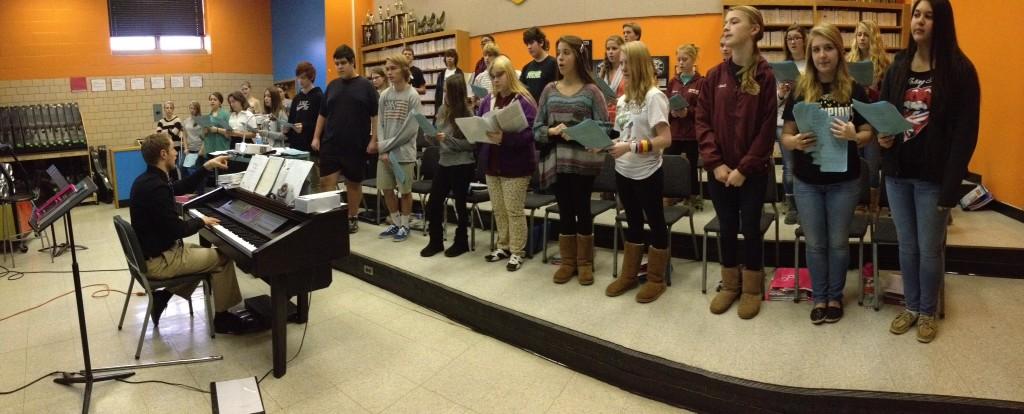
column 508, row 162
column 827, row 199
column 736, row 120
column 638, row 173
column 867, row 45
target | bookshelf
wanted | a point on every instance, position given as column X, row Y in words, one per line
column 429, row 51
column 893, row 20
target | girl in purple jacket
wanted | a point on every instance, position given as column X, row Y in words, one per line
column 508, row 163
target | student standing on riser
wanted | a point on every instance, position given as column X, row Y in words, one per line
column 736, row 114
column 686, row 84
column 396, row 143
column 936, row 87
column 566, row 166
column 542, row 70
column 868, row 46
column 796, row 51
column 305, row 109
column 827, row 199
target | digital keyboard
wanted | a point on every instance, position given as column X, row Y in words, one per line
column 290, row 250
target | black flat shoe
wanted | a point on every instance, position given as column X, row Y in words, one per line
column 230, row 323
column 818, row 316
column 160, row 299
column 833, row 314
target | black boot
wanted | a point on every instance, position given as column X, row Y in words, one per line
column 461, row 244
column 433, row 247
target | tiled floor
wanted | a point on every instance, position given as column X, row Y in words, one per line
column 366, row 350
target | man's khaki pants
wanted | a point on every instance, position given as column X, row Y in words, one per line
column 190, row 258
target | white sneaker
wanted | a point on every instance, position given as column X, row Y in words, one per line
column 514, row 263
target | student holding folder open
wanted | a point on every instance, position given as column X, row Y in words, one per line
column 508, row 162
column 566, row 165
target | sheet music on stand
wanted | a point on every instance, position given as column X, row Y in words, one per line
column 61, row 203
column 251, row 179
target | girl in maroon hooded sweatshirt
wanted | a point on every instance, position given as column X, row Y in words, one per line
column 687, row 84
column 736, row 114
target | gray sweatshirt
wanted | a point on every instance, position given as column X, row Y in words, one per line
column 455, row 149
column 396, row 129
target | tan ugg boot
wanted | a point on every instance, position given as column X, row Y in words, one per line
column 750, row 300
column 657, row 265
column 630, row 267
column 567, row 249
column 729, row 292
column 585, row 259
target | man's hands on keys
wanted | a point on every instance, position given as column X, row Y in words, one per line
column 219, row 163
column 210, row 221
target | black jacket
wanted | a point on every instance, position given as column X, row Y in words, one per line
column 439, row 90
column 154, row 217
column 951, row 136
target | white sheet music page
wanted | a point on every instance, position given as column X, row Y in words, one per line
column 252, row 174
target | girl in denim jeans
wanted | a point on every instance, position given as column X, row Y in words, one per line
column 936, row 87
column 827, row 199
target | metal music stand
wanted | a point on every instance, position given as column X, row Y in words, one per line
column 88, row 376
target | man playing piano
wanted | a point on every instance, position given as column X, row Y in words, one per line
column 160, row 230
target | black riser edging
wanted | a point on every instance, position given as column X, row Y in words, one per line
column 647, row 375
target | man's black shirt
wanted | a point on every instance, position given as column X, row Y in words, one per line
column 154, row 217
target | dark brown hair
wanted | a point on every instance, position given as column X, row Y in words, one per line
column 579, row 55
column 306, row 69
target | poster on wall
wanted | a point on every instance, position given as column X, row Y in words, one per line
column 98, row 85
column 156, row 82
column 177, row 81
column 661, row 70
column 118, row 84
column 195, row 81
column 78, row 84
column 138, row 83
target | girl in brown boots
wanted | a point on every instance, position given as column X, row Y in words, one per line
column 566, row 166
column 638, row 173
column 736, row 117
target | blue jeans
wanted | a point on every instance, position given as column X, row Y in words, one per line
column 825, row 215
column 921, row 230
column 787, row 165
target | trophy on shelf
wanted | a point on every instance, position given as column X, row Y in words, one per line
column 385, row 26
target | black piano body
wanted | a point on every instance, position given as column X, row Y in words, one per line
column 289, row 250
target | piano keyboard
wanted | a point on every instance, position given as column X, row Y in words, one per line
column 239, row 236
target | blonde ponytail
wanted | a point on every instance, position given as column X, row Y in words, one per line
column 747, row 82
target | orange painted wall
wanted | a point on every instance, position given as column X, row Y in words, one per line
column 62, row 38
column 992, row 48
column 661, row 34
column 339, row 28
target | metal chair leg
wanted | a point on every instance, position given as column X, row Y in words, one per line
column 145, row 324
column 190, row 312
column 796, row 268
column 704, row 259
column 615, row 249
column 208, row 294
column 544, row 237
column 127, row 297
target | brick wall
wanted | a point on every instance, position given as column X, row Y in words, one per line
column 119, row 117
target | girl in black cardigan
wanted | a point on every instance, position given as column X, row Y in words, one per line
column 936, row 87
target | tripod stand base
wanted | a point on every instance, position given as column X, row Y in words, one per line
column 71, row 378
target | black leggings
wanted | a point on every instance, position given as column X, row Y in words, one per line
column 738, row 207
column 572, row 191
column 643, row 198
column 454, row 180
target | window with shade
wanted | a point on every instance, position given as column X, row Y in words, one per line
column 157, row 26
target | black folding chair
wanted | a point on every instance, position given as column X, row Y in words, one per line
column 676, row 185
column 429, row 163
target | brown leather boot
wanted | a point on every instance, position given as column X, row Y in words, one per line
column 630, row 267
column 567, row 249
column 585, row 259
column 657, row 265
column 750, row 300
column 729, row 292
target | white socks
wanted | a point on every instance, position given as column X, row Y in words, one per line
column 406, row 221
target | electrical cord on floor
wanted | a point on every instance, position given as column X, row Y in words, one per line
column 12, row 275
column 183, row 386
column 101, row 293
column 29, row 384
column 305, row 327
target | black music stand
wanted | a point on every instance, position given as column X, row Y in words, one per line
column 62, row 209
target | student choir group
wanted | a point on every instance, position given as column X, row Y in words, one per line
column 736, row 113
